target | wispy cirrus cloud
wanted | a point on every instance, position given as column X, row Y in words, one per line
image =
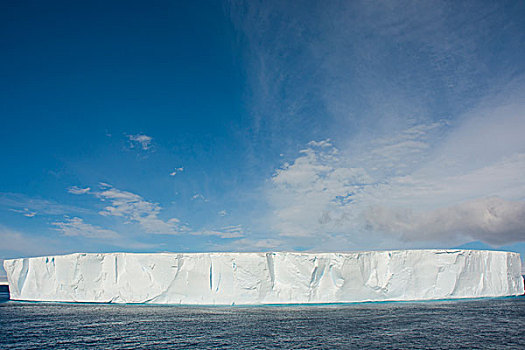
column 26, row 212
column 234, row 231
column 78, row 190
column 402, row 150
column 351, row 68
column 77, row 227
column 134, row 209
column 27, row 205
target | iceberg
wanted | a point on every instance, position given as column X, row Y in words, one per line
column 265, row 278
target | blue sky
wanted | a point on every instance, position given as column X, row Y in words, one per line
column 246, row 126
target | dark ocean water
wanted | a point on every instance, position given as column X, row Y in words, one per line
column 468, row 324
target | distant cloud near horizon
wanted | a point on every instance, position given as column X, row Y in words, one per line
column 492, row 220
column 235, row 231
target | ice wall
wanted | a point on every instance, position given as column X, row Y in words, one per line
column 265, row 278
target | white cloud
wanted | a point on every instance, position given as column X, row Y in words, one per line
column 176, row 171
column 465, row 185
column 135, row 209
column 26, row 212
column 78, row 190
column 77, row 227
column 322, row 143
column 234, row 231
column 141, row 140
column 312, row 194
column 199, row 197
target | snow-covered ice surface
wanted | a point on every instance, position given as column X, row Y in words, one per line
column 265, row 278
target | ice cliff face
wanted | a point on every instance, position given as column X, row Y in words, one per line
column 265, row 278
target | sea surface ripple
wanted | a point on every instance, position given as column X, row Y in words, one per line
column 467, row 324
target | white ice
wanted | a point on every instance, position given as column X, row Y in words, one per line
column 265, row 278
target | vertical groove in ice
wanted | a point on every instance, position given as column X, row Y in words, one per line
column 271, row 270
column 23, row 275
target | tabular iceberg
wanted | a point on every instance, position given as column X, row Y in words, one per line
column 265, row 278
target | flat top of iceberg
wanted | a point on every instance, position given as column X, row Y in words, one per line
column 310, row 253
